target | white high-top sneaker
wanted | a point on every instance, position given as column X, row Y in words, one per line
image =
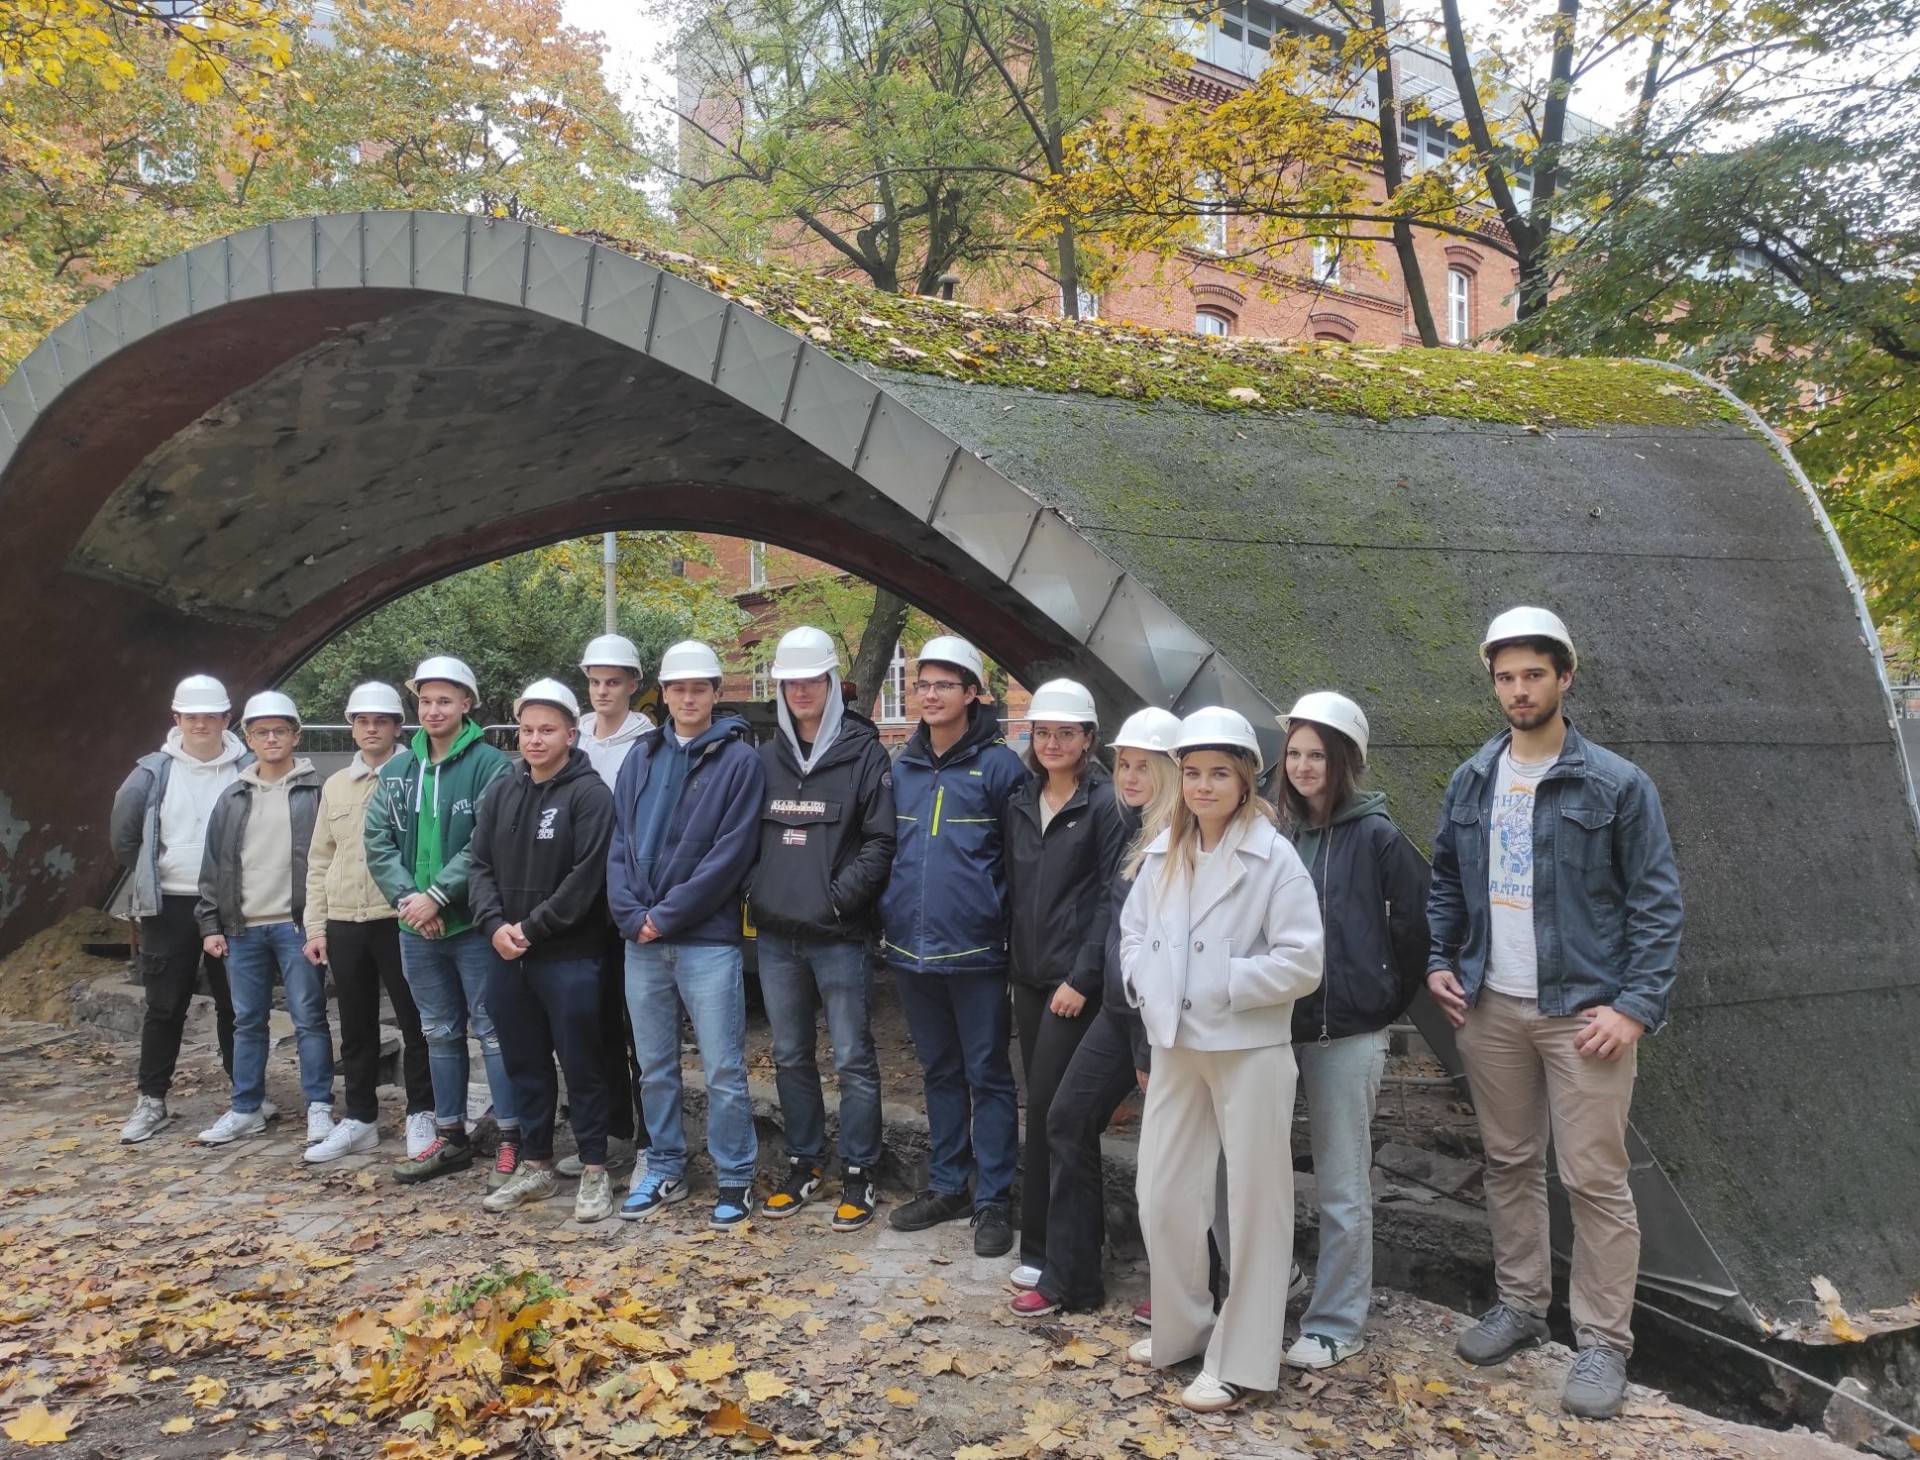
column 319, row 1122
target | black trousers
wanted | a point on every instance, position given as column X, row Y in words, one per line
column 620, row 1066
column 365, row 958
column 540, row 1009
column 1046, row 1059
column 1097, row 1079
column 170, row 964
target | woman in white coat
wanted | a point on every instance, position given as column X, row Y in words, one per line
column 1220, row 934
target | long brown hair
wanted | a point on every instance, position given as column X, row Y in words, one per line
column 1344, row 769
column 1185, row 826
column 1087, row 753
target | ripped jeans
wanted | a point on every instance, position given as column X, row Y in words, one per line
column 448, row 980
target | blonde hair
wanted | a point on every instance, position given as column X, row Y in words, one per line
column 1185, row 826
column 1156, row 814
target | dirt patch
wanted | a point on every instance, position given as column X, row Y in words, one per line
column 38, row 978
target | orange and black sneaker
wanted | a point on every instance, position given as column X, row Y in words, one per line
column 857, row 1201
column 800, row 1187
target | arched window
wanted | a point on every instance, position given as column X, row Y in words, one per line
column 1206, row 322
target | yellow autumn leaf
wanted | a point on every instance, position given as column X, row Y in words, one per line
column 783, row 1308
column 37, row 1425
column 206, row 1391
column 763, row 1385
column 704, row 1365
column 848, row 1263
column 976, row 1452
column 178, row 1425
column 901, row 1398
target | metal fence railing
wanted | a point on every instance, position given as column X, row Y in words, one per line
column 338, row 739
column 1906, row 701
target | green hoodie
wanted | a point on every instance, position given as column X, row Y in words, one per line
column 1306, row 839
column 421, row 816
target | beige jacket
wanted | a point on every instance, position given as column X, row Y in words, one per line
column 338, row 883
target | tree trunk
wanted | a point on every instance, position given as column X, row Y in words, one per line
column 1394, row 175
column 1054, row 143
column 877, row 638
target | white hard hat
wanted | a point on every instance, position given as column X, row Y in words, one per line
column 1149, row 729
column 270, row 704
column 1527, row 623
column 200, row 694
column 1217, row 726
column 444, row 666
column 375, row 698
column 804, row 653
column 954, row 650
column 611, row 651
column 1336, row 712
column 689, row 659
column 550, row 692
column 1063, row 702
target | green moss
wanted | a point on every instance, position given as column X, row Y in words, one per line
column 933, row 337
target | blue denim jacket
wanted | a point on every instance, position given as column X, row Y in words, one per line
column 1606, row 892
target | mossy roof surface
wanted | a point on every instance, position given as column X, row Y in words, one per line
column 933, row 337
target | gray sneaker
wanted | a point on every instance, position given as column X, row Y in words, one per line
column 593, row 1202
column 620, row 1155
column 1500, row 1334
column 526, row 1184
column 150, row 1116
column 1596, row 1384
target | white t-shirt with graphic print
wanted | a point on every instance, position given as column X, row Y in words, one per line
column 1513, row 964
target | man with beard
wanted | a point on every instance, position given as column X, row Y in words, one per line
column 1551, row 980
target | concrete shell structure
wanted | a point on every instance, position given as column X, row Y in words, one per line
column 222, row 462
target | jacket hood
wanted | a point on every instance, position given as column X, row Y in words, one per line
column 422, row 745
column 1359, row 804
column 725, row 726
column 301, row 774
column 576, row 765
column 983, row 728
column 830, row 721
column 631, row 729
column 856, row 732
column 231, row 749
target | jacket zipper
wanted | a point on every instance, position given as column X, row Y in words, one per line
column 939, row 799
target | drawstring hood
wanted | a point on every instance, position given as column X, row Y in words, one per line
column 830, row 721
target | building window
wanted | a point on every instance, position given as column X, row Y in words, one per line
column 756, row 565
column 1213, row 215
column 1088, row 300
column 1429, row 140
column 893, row 693
column 1326, row 262
column 1238, row 36
column 1459, row 306
column 762, row 685
column 1206, row 322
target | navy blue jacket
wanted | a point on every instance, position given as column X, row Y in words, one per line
column 1606, row 892
column 945, row 907
column 711, row 839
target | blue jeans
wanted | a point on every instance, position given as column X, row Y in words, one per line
column 1342, row 1081
column 253, row 958
column 791, row 969
column 960, row 1024
column 706, row 979
column 448, row 978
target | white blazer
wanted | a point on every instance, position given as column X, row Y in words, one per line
column 1216, row 962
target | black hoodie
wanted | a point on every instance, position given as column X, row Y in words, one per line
column 539, row 859
column 1060, row 882
column 826, row 836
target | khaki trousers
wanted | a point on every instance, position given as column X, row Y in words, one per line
column 1527, row 1078
column 1203, row 1106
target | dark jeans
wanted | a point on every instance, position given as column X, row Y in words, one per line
column 1054, row 1043
column 791, row 970
column 959, row 1027
column 365, row 958
column 620, row 1066
column 542, row 1008
column 170, row 964
column 1096, row 1080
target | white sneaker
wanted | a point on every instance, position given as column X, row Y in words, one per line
column 1025, row 1277
column 420, row 1133
column 1140, row 1351
column 593, row 1202
column 1208, row 1395
column 529, row 1183
column 150, row 1117
column 319, row 1122
column 1317, row 1351
column 620, row 1155
column 344, row 1139
column 232, row 1127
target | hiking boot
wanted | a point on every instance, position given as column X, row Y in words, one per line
column 1500, row 1334
column 620, row 1155
column 992, row 1230
column 528, row 1184
column 1033, row 1304
column 802, row 1184
column 1317, row 1351
column 930, row 1209
column 150, row 1117
column 421, row 1133
column 233, row 1126
column 1596, row 1384
column 1025, row 1276
column 319, row 1122
column 1208, row 1395
column 445, row 1154
column 650, row 1194
column 593, row 1202
column 731, row 1208
column 506, row 1160
column 344, row 1139
column 858, row 1198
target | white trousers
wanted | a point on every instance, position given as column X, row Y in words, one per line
column 1204, row 1106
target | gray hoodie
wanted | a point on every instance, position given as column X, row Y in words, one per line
column 607, row 755
column 159, row 821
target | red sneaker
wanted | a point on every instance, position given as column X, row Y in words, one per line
column 1034, row 1304
column 1143, row 1312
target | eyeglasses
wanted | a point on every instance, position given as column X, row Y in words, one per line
column 262, row 732
column 1064, row 735
column 936, row 686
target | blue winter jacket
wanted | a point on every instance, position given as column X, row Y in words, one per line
column 692, row 889
column 945, row 907
column 1606, row 892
